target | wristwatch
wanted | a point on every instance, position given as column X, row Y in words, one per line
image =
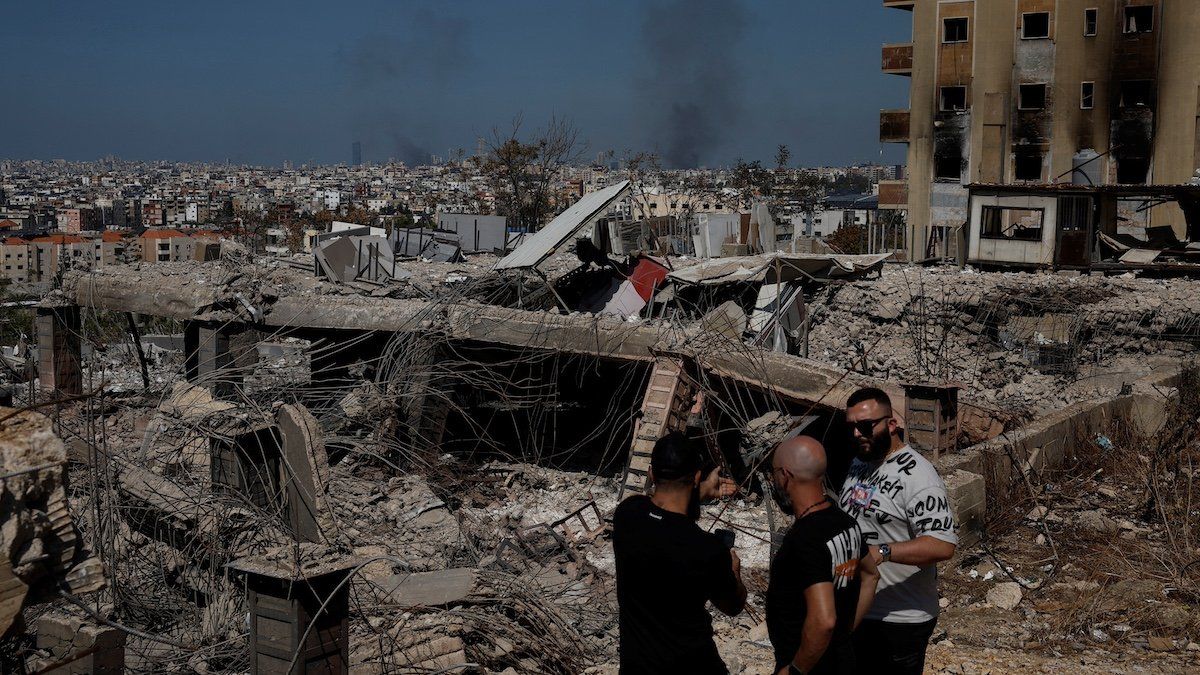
column 794, row 670
column 885, row 552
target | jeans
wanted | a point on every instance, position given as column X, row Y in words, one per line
column 899, row 648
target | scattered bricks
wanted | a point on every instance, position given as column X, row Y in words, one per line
column 79, row 645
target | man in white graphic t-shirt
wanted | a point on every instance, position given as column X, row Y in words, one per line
column 900, row 503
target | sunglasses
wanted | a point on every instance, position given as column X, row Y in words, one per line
column 867, row 427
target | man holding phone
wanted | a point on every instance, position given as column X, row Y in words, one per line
column 668, row 568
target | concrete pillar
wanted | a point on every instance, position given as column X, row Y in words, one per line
column 66, row 636
column 59, row 359
column 217, row 355
column 287, row 622
column 931, row 417
column 248, row 464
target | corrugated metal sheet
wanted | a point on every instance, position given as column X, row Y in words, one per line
column 544, row 242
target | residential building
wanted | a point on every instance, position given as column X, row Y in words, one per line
column 78, row 219
column 14, row 252
column 173, row 245
column 1041, row 91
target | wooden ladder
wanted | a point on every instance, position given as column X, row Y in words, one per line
column 665, row 407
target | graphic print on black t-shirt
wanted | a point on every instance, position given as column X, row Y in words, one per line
column 822, row 547
column 667, row 571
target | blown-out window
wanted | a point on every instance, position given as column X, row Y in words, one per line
column 1139, row 19
column 954, row 98
column 1035, row 25
column 954, row 29
column 1005, row 222
column 1031, row 97
column 1136, row 93
column 1028, row 166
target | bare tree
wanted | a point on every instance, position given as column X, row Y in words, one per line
column 783, row 155
column 752, row 181
column 523, row 173
column 642, row 169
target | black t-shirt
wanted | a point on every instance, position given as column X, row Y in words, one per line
column 823, row 546
column 667, row 569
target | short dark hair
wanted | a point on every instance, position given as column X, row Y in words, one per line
column 675, row 458
column 869, row 394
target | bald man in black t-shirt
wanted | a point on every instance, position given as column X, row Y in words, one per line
column 820, row 585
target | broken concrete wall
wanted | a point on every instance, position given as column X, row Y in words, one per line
column 306, row 475
column 1044, row 443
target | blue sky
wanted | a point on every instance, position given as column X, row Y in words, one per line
column 263, row 81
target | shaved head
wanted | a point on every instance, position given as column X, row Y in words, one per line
column 802, row 456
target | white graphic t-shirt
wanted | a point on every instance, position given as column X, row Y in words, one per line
column 899, row 499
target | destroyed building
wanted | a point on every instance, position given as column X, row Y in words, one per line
column 1098, row 92
column 357, row 461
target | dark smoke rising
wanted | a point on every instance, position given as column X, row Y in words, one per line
column 689, row 100
column 388, row 84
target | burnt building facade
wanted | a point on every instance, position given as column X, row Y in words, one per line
column 1041, row 91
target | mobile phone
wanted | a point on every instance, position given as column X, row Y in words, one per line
column 727, row 537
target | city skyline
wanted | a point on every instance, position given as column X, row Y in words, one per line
column 302, row 83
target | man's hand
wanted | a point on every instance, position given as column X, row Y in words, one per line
column 737, row 563
column 716, row 486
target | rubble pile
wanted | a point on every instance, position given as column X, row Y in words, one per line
column 454, row 556
column 1100, row 560
column 40, row 547
column 1014, row 341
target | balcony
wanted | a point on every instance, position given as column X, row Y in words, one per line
column 898, row 59
column 893, row 126
column 893, row 194
column 900, row 4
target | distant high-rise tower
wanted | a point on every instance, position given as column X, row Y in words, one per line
column 356, row 154
column 480, row 147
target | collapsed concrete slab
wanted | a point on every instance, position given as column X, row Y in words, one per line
column 794, row 378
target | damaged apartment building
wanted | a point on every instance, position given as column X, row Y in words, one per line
column 1033, row 92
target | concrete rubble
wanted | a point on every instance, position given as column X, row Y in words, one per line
column 443, row 445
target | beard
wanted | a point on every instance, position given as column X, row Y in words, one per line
column 782, row 499
column 878, row 448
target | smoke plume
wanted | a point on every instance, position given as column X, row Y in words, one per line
column 397, row 83
column 690, row 96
